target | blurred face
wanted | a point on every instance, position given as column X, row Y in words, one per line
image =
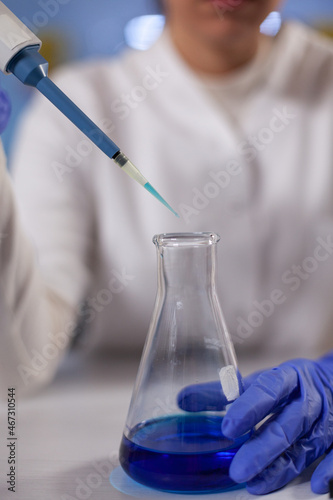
column 219, row 21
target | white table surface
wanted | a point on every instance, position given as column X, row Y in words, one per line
column 68, row 431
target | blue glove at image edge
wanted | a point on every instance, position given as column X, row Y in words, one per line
column 297, row 396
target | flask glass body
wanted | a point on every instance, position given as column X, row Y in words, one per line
column 172, row 439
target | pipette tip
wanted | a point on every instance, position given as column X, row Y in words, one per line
column 153, row 191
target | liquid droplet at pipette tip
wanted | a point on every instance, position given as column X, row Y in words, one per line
column 153, row 191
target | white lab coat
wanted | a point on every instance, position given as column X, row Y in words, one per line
column 249, row 157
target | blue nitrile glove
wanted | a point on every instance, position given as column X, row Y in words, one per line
column 299, row 393
column 209, row 396
column 5, row 109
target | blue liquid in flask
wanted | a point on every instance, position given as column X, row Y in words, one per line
column 180, row 454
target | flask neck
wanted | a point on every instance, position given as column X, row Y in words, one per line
column 187, row 266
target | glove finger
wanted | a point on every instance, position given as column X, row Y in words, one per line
column 271, row 389
column 250, row 379
column 201, row 397
column 322, row 475
column 256, row 454
column 276, row 436
column 208, row 396
column 285, row 468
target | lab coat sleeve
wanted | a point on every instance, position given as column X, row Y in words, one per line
column 35, row 321
column 50, row 168
column 48, row 255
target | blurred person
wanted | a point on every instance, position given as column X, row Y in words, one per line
column 234, row 129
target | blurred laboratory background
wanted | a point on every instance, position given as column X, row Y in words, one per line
column 80, row 29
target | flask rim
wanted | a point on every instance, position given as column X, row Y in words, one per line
column 195, row 239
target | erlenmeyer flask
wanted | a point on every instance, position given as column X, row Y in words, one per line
column 168, row 444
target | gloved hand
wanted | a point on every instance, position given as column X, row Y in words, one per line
column 5, row 109
column 299, row 395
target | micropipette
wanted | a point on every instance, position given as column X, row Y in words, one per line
column 19, row 55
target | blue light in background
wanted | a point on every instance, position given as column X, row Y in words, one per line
column 141, row 32
column 96, row 28
column 272, row 24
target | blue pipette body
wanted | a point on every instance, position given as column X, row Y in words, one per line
column 30, row 67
